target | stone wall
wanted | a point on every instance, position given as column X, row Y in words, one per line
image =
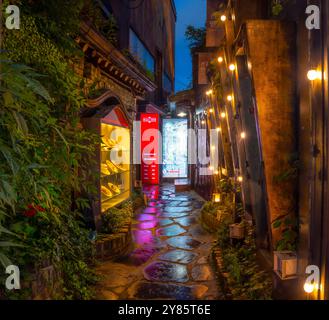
column 272, row 55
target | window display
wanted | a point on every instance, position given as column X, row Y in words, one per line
column 114, row 166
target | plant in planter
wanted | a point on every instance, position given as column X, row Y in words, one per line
column 285, row 258
column 116, row 218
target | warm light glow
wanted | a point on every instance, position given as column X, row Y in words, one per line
column 309, row 287
column 223, row 18
column 220, row 59
column 240, row 179
column 211, row 168
column 229, row 98
column 203, row 122
column 223, row 115
column 314, row 75
column 213, row 148
column 243, row 135
column 219, row 129
column 182, row 114
column 216, row 197
column 211, row 110
column 232, row 67
column 216, row 172
column 209, row 92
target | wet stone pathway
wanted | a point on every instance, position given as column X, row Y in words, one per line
column 170, row 254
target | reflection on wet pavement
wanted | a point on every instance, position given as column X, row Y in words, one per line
column 169, row 257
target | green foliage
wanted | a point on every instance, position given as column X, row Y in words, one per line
column 137, row 199
column 196, row 37
column 106, row 25
column 288, row 226
column 246, row 280
column 117, row 217
column 45, row 156
column 276, row 8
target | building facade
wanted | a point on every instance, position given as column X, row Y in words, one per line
column 129, row 69
column 273, row 122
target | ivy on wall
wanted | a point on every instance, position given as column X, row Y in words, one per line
column 43, row 150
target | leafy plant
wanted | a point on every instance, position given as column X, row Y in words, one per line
column 45, row 155
column 288, row 226
column 117, row 217
column 196, row 37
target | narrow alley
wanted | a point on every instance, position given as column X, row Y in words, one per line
column 170, row 258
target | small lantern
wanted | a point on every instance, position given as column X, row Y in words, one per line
column 237, row 231
column 216, row 197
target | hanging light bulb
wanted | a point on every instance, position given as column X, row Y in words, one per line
column 223, row 18
column 219, row 129
column 211, row 110
column 243, row 135
column 240, row 179
column 232, row 67
column 220, row 59
column 229, row 98
column 223, row 115
column 203, row 122
column 314, row 75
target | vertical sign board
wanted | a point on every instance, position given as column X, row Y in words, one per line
column 150, row 140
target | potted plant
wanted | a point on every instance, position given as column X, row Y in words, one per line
column 237, row 231
column 285, row 257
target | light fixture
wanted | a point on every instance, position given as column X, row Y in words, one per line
column 211, row 110
column 243, row 135
column 203, row 122
column 216, row 197
column 220, row 59
column 216, row 172
column 223, row 18
column 229, row 98
column 314, row 75
column 182, row 115
column 209, row 92
column 309, row 287
column 232, row 67
column 240, row 179
column 223, row 115
column 219, row 129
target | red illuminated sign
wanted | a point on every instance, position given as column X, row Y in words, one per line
column 150, row 148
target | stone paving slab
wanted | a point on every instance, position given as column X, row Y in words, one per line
column 169, row 257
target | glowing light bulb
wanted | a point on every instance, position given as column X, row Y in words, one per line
column 223, row 18
column 220, row 59
column 203, row 122
column 211, row 110
column 229, row 98
column 216, row 172
column 232, row 67
column 209, row 92
column 182, row 114
column 243, row 135
column 219, row 129
column 240, row 178
column 223, row 115
column 309, row 287
column 314, row 75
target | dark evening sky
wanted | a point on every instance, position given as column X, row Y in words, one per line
column 188, row 12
